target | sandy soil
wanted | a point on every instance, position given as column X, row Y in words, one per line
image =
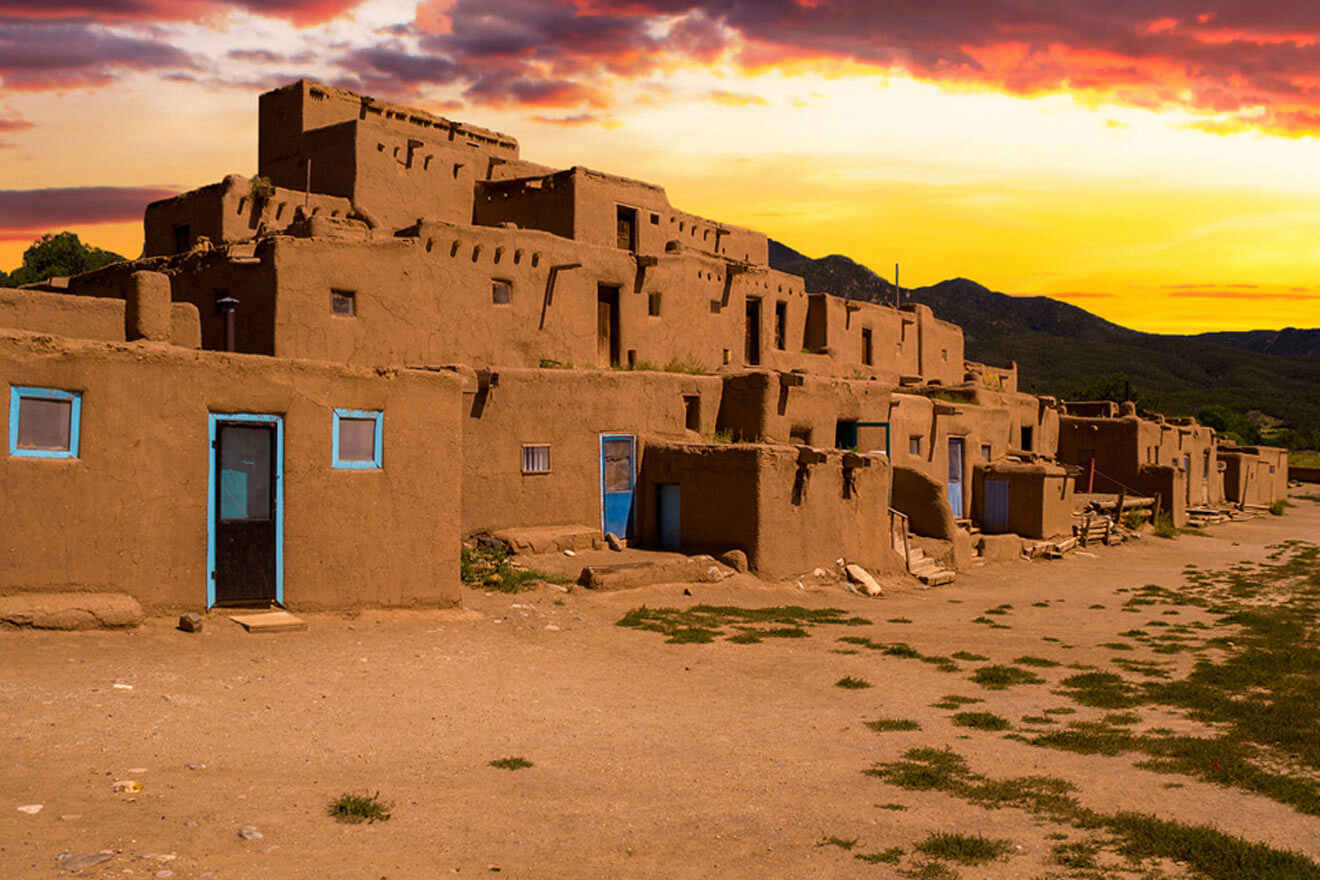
column 651, row 759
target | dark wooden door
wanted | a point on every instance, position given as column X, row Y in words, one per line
column 245, row 457
column 752, row 352
column 607, row 325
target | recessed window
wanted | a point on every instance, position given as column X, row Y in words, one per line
column 985, row 451
column 536, row 458
column 501, row 292
column 43, row 422
column 868, row 349
column 781, row 325
column 1027, row 433
column 914, row 444
column 692, row 412
column 343, row 303
column 653, row 305
column 357, row 438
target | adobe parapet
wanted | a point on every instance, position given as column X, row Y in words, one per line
column 290, row 111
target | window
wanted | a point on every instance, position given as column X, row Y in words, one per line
column 868, row 352
column 501, row 292
column 692, row 412
column 357, row 438
column 1026, row 438
column 914, row 444
column 536, row 458
column 343, row 302
column 800, row 434
column 43, row 422
column 182, row 238
column 653, row 305
column 781, row 325
column 944, row 353
column 985, row 451
column 655, row 219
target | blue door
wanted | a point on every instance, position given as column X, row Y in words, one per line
column 667, row 505
column 996, row 506
column 616, row 483
column 956, row 476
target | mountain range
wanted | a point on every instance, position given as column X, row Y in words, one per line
column 1247, row 383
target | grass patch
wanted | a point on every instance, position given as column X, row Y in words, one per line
column 889, row 856
column 967, row 849
column 706, row 623
column 1079, row 854
column 902, row 650
column 1000, row 677
column 969, row 656
column 898, row 620
column 851, row 683
column 1042, row 662
column 1207, row 852
column 1164, row 527
column 981, row 721
column 889, row 725
column 844, row 843
column 895, row 807
column 514, row 763
column 354, row 809
column 487, row 566
column 953, row 701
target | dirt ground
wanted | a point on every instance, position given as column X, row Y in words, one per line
column 649, row 759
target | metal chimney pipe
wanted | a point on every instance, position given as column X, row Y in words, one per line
column 227, row 306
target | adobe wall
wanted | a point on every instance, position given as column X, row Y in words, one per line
column 1123, row 446
column 129, row 514
column 227, row 212
column 802, row 408
column 543, row 202
column 111, row 320
column 569, row 410
column 1040, row 497
column 1255, row 474
column 287, row 113
column 933, row 422
column 789, row 509
column 198, row 280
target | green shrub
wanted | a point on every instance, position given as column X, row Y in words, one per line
column 354, row 809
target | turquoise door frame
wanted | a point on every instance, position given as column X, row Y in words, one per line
column 616, row 487
column 213, row 420
column 957, row 450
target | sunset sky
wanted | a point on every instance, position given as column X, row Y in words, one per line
column 1156, row 163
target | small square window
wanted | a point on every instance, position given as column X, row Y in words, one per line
column 914, row 444
column 43, row 422
column 653, row 305
column 655, row 219
column 536, row 458
column 357, row 439
column 501, row 292
column 343, row 302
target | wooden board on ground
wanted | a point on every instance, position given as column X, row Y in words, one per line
column 269, row 622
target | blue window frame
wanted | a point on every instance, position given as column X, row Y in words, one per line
column 357, row 437
column 44, row 422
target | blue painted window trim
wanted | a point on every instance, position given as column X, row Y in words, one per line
column 213, row 422
column 379, row 417
column 17, row 393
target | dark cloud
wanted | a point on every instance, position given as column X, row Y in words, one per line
column 300, row 12
column 71, row 54
column 25, row 212
column 1168, row 52
column 15, row 125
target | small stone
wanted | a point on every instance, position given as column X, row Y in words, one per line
column 121, row 686
column 84, row 860
column 613, row 541
column 820, row 573
column 137, row 770
column 735, row 559
column 127, row 786
column 250, row 832
column 192, row 622
column 569, row 553
column 195, row 765
column 552, row 627
column 863, row 579
column 165, row 873
column 31, row 809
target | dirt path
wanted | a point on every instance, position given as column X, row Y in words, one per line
column 650, row 759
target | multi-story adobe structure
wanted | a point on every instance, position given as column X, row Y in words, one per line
column 316, row 381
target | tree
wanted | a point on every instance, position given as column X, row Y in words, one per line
column 57, row 254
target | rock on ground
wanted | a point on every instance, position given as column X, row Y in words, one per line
column 70, row 611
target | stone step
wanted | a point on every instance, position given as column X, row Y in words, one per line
column 937, row 578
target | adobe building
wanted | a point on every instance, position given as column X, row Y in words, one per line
column 401, row 333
